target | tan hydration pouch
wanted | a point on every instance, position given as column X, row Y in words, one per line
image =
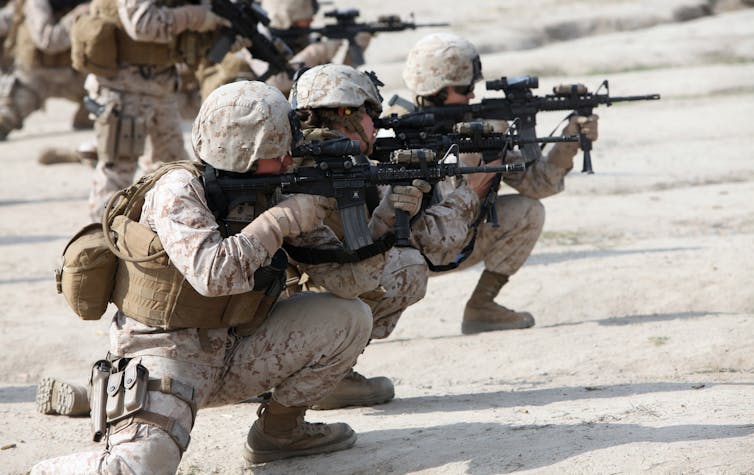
column 87, row 273
column 120, row 136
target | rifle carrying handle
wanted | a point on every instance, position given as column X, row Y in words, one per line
column 402, row 229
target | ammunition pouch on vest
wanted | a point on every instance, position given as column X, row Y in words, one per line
column 100, row 45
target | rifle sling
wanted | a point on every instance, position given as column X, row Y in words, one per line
column 311, row 256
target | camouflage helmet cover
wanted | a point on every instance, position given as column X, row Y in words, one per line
column 335, row 85
column 283, row 13
column 440, row 60
column 240, row 123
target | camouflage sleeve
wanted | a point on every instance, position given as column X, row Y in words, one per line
column 48, row 36
column 343, row 280
column 143, row 20
column 321, row 52
column 177, row 211
column 441, row 232
column 6, row 17
column 542, row 178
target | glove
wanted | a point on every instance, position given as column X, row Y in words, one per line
column 294, row 216
column 362, row 40
column 404, row 198
column 409, row 198
column 585, row 125
column 70, row 17
column 197, row 18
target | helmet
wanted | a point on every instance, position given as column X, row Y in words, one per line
column 336, row 85
column 240, row 123
column 440, row 60
column 284, row 12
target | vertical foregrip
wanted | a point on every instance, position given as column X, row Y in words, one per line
column 402, row 229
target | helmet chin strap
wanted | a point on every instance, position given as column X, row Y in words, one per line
column 351, row 121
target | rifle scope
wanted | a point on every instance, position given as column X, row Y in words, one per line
column 513, row 83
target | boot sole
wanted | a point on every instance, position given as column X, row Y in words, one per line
column 55, row 397
column 470, row 328
column 341, row 403
column 253, row 457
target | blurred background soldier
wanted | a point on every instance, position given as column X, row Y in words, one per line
column 37, row 59
column 132, row 48
column 308, row 52
column 442, row 69
column 7, row 11
column 218, row 337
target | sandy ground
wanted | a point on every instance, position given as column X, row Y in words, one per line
column 641, row 359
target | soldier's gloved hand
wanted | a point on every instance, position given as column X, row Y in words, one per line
column 362, row 40
column 197, row 18
column 409, row 198
column 70, row 17
column 291, row 217
column 586, row 125
column 240, row 43
column 480, row 182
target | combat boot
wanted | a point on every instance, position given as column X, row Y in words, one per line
column 482, row 314
column 55, row 155
column 280, row 432
column 357, row 390
column 57, row 397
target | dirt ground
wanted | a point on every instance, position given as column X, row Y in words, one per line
column 641, row 359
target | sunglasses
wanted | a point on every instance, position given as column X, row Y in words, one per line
column 464, row 90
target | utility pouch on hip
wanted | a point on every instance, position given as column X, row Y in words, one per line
column 126, row 392
column 120, row 136
column 98, row 398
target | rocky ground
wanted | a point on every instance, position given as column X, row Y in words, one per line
column 641, row 285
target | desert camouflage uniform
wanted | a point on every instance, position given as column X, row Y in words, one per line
column 389, row 282
column 302, row 350
column 28, row 86
column 436, row 62
column 148, row 93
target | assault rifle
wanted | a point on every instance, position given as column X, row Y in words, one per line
column 341, row 172
column 244, row 17
column 519, row 102
column 346, row 28
column 466, row 137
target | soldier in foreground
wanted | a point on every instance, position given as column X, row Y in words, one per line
column 37, row 57
column 185, row 359
column 442, row 69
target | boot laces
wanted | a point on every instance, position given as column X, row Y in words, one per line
column 356, row 376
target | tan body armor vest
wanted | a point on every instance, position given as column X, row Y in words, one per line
column 101, row 45
column 20, row 47
column 155, row 293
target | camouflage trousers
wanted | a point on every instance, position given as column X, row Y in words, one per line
column 25, row 91
column 505, row 249
column 404, row 279
column 300, row 352
column 157, row 139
